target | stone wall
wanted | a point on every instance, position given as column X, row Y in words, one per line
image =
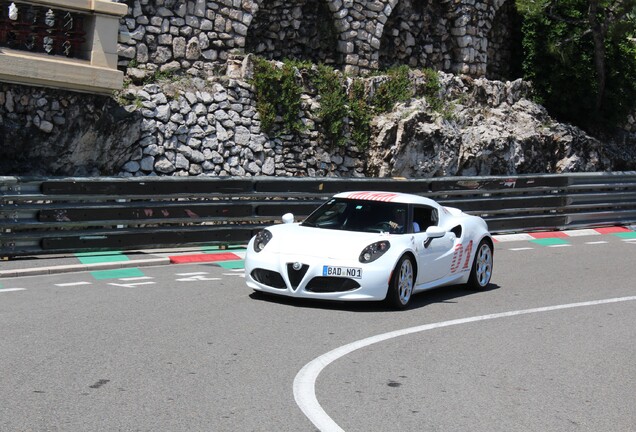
column 189, row 108
column 211, row 127
column 355, row 35
column 57, row 132
column 196, row 126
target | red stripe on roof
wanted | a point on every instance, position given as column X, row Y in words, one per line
column 373, row 196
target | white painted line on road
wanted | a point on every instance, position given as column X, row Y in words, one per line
column 581, row 232
column 596, row 243
column 136, row 278
column 70, row 284
column 197, row 278
column 132, row 285
column 192, row 274
column 520, row 249
column 559, row 245
column 11, row 289
column 513, row 237
column 305, row 380
column 234, row 274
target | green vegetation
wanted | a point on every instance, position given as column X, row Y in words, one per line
column 432, row 87
column 278, row 93
column 345, row 110
column 333, row 104
column 396, row 88
column 581, row 57
column 360, row 114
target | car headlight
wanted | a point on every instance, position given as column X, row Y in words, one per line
column 261, row 240
column 374, row 251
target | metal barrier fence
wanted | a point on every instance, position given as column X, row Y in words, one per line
column 59, row 215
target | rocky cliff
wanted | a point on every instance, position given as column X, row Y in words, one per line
column 209, row 125
column 485, row 128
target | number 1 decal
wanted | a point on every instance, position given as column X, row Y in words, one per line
column 458, row 255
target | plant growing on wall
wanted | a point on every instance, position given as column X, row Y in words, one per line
column 277, row 93
column 345, row 116
column 396, row 88
column 333, row 104
column 360, row 114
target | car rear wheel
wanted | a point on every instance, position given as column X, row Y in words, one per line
column 401, row 284
column 482, row 267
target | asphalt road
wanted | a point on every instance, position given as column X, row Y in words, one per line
column 190, row 347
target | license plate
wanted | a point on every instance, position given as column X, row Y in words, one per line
column 352, row 272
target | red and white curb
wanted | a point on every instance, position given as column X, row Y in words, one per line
column 560, row 234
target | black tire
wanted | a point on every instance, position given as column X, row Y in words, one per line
column 401, row 284
column 481, row 271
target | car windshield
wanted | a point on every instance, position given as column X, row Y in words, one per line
column 360, row 216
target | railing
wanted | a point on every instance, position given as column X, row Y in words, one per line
column 68, row 44
column 55, row 215
column 41, row 29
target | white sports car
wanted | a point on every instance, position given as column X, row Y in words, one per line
column 371, row 246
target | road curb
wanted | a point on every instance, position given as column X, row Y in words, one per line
column 69, row 268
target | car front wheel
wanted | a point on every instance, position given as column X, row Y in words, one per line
column 482, row 267
column 401, row 284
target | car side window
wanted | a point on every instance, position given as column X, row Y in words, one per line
column 424, row 217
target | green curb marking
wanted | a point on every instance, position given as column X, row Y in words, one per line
column 550, row 241
column 101, row 257
column 117, row 273
column 232, row 265
column 626, row 235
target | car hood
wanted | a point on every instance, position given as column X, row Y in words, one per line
column 294, row 239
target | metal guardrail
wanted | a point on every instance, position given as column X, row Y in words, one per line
column 59, row 215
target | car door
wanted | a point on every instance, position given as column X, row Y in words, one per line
column 434, row 256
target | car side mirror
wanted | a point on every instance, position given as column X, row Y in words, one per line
column 433, row 232
column 288, row 218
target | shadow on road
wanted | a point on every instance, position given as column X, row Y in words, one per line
column 438, row 295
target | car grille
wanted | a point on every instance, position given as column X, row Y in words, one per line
column 295, row 276
column 270, row 278
column 331, row 284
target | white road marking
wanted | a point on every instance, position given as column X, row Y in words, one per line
column 513, row 237
column 305, row 380
column 11, row 289
column 192, row 274
column 70, row 284
column 136, row 278
column 520, row 249
column 560, row 245
column 234, row 274
column 596, row 243
column 581, row 232
column 197, row 278
column 132, row 285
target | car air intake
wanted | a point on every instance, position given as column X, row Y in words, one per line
column 270, row 278
column 296, row 275
column 331, row 284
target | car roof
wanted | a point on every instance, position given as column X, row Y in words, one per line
column 394, row 197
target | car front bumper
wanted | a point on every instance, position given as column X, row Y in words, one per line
column 305, row 277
